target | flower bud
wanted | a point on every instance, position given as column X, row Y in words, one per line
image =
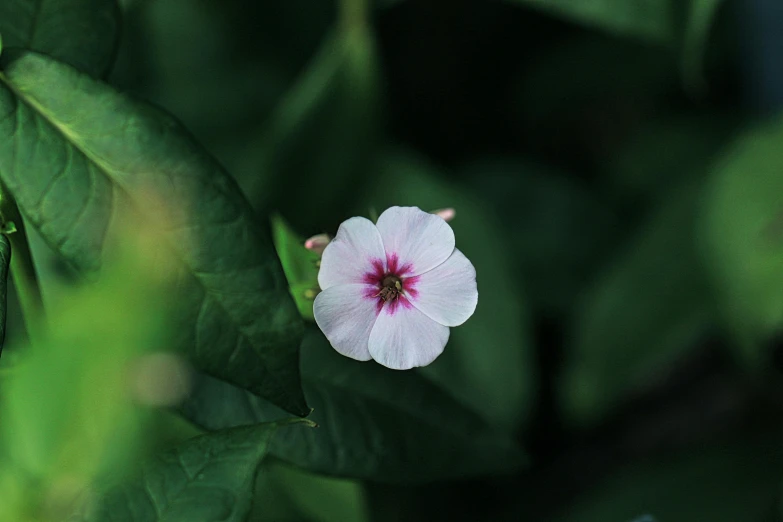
column 317, row 243
column 446, row 213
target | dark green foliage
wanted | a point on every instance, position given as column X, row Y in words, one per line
column 731, row 479
column 162, row 162
column 82, row 33
column 542, row 207
column 646, row 19
column 742, row 231
column 641, row 316
column 332, row 112
column 208, row 478
column 374, row 423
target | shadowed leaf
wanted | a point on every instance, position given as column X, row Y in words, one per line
column 742, row 229
column 640, row 316
column 209, row 478
column 332, row 113
column 82, row 33
column 374, row 423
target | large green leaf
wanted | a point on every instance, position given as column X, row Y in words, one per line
column 488, row 363
column 82, row 33
column 73, row 152
column 209, row 478
column 743, row 238
column 5, row 261
column 375, row 423
column 641, row 315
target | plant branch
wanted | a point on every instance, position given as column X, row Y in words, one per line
column 353, row 13
column 23, row 273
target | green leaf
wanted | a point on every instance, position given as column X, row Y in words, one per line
column 286, row 493
column 742, row 230
column 683, row 25
column 647, row 19
column 489, row 362
column 5, row 261
column 69, row 403
column 82, row 33
column 73, row 152
column 209, row 478
column 375, row 423
column 316, row 147
column 299, row 264
column 641, row 315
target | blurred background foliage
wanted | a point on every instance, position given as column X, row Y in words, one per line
column 616, row 167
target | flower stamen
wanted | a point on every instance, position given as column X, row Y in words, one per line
column 391, row 287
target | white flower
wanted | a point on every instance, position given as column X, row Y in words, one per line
column 392, row 290
column 318, row 242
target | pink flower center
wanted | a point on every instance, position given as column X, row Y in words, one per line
column 391, row 284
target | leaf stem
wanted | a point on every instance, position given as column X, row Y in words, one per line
column 296, row 420
column 353, row 13
column 23, row 273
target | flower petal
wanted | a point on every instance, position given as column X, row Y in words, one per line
column 403, row 337
column 422, row 239
column 447, row 293
column 349, row 256
column 346, row 315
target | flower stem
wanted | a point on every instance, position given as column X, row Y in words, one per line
column 23, row 271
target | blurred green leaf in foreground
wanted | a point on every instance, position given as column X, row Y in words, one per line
column 76, row 406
